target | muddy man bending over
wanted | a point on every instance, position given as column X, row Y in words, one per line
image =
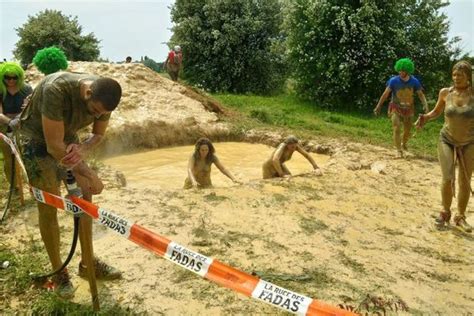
column 199, row 166
column 275, row 166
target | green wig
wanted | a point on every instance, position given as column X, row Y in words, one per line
column 50, row 59
column 11, row 69
column 405, row 64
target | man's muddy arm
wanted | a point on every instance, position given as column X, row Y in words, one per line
column 382, row 99
column 422, row 98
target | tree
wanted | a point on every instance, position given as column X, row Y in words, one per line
column 230, row 45
column 52, row 28
column 343, row 52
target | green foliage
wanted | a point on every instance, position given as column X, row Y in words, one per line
column 150, row 63
column 52, row 28
column 343, row 52
column 50, row 60
column 307, row 119
column 231, row 45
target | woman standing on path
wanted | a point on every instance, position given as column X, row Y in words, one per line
column 456, row 142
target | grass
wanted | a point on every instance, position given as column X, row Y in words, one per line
column 306, row 119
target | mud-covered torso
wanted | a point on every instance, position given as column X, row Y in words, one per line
column 202, row 172
column 458, row 127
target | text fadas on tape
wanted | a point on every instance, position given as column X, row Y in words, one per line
column 188, row 259
column 116, row 223
column 281, row 297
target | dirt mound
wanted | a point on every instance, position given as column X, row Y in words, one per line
column 154, row 111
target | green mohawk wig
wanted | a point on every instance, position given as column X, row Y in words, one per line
column 11, row 69
column 405, row 64
column 50, row 59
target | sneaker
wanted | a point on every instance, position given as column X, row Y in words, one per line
column 62, row 284
column 443, row 220
column 460, row 222
column 102, row 271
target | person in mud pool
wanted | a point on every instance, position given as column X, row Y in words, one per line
column 456, row 142
column 275, row 166
column 401, row 107
column 62, row 104
column 199, row 165
column 13, row 92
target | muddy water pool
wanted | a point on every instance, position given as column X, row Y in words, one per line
column 167, row 167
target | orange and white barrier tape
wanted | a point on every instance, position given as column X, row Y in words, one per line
column 195, row 262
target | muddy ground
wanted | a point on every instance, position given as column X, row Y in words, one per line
column 363, row 228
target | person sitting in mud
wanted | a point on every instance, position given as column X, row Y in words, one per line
column 13, row 92
column 62, row 104
column 401, row 107
column 456, row 142
column 199, row 166
column 275, row 166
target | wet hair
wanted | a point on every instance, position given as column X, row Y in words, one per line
column 291, row 140
column 50, row 60
column 210, row 154
column 12, row 69
column 129, row 58
column 405, row 64
column 465, row 67
column 107, row 91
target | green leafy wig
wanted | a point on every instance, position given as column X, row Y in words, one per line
column 50, row 59
column 11, row 69
column 405, row 64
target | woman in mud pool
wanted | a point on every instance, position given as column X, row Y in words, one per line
column 456, row 142
column 199, row 166
column 275, row 166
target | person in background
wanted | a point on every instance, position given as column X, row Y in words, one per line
column 275, row 166
column 173, row 62
column 13, row 93
column 456, row 143
column 200, row 163
column 401, row 108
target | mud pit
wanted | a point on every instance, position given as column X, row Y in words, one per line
column 167, row 168
column 365, row 227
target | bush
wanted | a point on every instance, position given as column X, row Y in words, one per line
column 231, row 45
column 342, row 52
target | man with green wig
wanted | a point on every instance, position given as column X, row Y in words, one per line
column 401, row 108
column 13, row 92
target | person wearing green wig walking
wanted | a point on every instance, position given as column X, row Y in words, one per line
column 401, row 108
column 13, row 92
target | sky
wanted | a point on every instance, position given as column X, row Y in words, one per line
column 142, row 27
